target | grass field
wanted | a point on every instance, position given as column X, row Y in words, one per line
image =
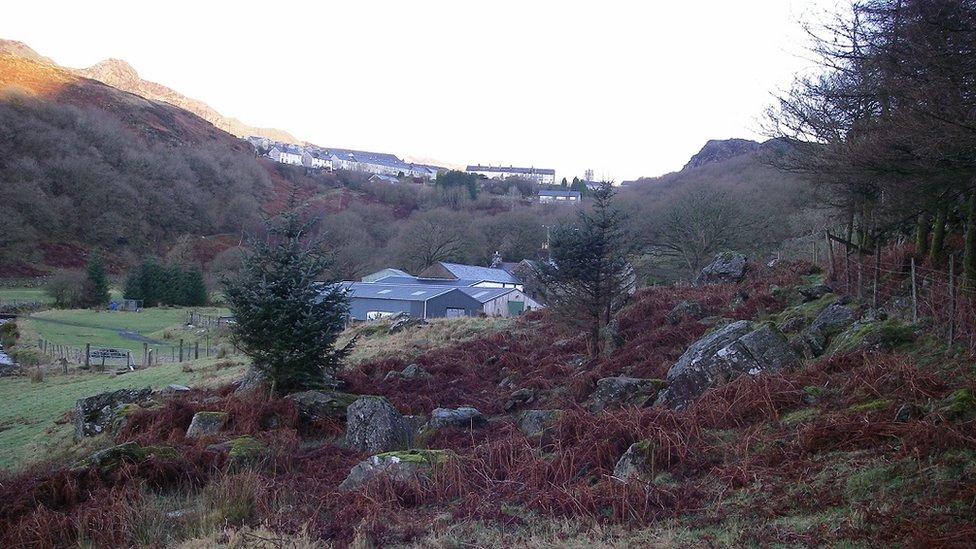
column 24, row 294
column 77, row 327
column 33, row 415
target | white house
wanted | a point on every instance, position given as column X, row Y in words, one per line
column 314, row 158
column 543, row 176
column 559, row 197
column 286, row 154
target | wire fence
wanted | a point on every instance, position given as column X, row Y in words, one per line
column 99, row 358
column 902, row 283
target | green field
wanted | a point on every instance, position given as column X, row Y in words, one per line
column 30, row 414
column 120, row 330
column 24, row 294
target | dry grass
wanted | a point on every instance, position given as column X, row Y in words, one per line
column 376, row 343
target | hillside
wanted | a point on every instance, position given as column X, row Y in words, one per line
column 863, row 438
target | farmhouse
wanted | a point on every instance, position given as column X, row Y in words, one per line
column 543, row 176
column 559, row 197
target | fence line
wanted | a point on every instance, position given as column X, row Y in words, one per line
column 151, row 355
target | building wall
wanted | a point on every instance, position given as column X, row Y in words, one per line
column 486, row 284
column 545, row 179
column 437, row 307
column 360, row 306
column 499, row 305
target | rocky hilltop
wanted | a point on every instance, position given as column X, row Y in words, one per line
column 121, row 75
column 717, row 150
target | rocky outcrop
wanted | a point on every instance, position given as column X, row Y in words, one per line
column 866, row 335
column 834, row 319
column 373, row 425
column 205, row 424
column 814, row 292
column 401, row 322
column 464, row 417
column 738, row 348
column 96, row 414
column 254, row 381
column 519, row 398
column 726, row 268
column 409, row 466
column 538, row 423
column 317, row 405
column 411, row 371
column 717, row 150
column 620, row 391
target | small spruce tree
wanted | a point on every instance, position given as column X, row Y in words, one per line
column 96, row 282
column 287, row 320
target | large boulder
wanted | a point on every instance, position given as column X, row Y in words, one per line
column 129, row 452
column 205, row 424
column 684, row 309
column 868, row 335
column 620, row 391
column 738, row 348
column 373, row 425
column 464, row 417
column 410, row 371
column 402, row 321
column 316, row 405
column 254, row 381
column 834, row 319
column 409, row 466
column 726, row 268
column 96, row 414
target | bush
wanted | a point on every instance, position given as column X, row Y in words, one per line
column 8, row 334
column 67, row 289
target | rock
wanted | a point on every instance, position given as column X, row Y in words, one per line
column 736, row 349
column 959, row 406
column 317, row 405
column 206, row 424
column 620, row 391
column 245, row 451
column 129, row 452
column 173, row 388
column 683, row 310
column 373, row 425
column 464, row 417
column 611, row 337
column 538, row 423
column 907, row 412
column 518, row 398
column 814, row 292
column 408, row 466
column 95, row 414
column 254, row 381
column 636, row 463
column 411, row 371
column 877, row 336
column 726, row 268
column 834, row 319
column 402, row 321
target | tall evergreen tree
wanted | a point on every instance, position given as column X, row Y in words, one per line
column 287, row 321
column 588, row 277
column 96, row 281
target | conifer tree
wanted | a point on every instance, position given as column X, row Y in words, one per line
column 96, row 282
column 287, row 320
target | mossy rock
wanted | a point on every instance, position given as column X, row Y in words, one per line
column 245, row 451
column 884, row 335
column 960, row 405
column 871, row 406
column 794, row 319
column 128, row 452
column 206, row 424
column 402, row 466
column 430, row 457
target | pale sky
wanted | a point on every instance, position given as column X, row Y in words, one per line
column 627, row 88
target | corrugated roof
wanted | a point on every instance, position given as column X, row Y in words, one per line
column 425, row 281
column 473, row 272
column 484, row 295
column 398, row 292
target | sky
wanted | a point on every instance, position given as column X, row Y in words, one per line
column 625, row 88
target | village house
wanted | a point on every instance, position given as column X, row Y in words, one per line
column 316, row 158
column 286, row 154
column 559, row 197
column 543, row 176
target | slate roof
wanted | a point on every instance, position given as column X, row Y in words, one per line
column 484, row 295
column 575, row 194
column 512, row 169
column 473, row 272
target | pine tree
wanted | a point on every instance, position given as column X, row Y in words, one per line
column 194, row 288
column 286, row 320
column 588, row 277
column 96, row 282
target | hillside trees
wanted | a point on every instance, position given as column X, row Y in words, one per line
column 588, row 277
column 155, row 284
column 888, row 126
column 429, row 237
column 287, row 321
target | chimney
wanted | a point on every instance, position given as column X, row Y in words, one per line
column 496, row 260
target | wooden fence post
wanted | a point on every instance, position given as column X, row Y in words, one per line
column 952, row 300
column 181, row 350
column 877, row 272
column 145, row 354
column 914, row 295
column 87, row 356
column 196, row 351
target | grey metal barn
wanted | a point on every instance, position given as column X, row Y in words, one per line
column 368, row 301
